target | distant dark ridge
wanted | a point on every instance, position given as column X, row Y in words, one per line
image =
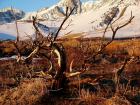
column 4, row 36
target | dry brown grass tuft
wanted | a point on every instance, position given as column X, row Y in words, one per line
column 25, row 94
column 91, row 99
column 117, row 101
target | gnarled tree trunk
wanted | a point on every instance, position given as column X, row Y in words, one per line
column 60, row 78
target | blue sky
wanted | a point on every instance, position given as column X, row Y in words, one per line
column 28, row 5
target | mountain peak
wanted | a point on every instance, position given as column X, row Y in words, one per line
column 8, row 15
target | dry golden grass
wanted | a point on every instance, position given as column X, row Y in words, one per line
column 117, row 101
column 72, row 43
column 25, row 94
column 132, row 47
column 35, row 91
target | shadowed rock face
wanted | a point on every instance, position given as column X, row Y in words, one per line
column 71, row 4
column 107, row 18
column 8, row 15
column 57, row 10
column 53, row 13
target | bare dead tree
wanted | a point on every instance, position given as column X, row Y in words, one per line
column 17, row 38
column 65, row 19
column 114, row 31
column 119, row 72
column 17, row 43
column 69, row 24
column 60, row 76
column 40, row 43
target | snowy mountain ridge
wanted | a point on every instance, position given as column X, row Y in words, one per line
column 8, row 15
column 90, row 22
column 58, row 10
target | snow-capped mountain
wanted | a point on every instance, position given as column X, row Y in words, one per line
column 56, row 11
column 8, row 15
column 87, row 6
column 89, row 18
column 46, row 13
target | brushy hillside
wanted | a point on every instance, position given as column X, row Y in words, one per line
column 20, row 85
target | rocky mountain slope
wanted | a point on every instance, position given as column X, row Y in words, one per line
column 89, row 19
column 8, row 15
column 57, row 10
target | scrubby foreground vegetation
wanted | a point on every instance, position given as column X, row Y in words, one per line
column 21, row 83
column 73, row 71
